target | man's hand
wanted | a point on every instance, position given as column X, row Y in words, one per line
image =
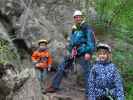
column 87, row 57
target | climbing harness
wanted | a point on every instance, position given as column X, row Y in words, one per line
column 73, row 56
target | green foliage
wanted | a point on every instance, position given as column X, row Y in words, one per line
column 6, row 54
column 115, row 18
column 124, row 61
column 129, row 90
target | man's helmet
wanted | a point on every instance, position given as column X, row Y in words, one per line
column 104, row 46
column 77, row 13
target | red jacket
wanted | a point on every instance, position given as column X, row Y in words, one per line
column 43, row 58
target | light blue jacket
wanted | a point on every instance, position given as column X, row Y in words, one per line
column 83, row 38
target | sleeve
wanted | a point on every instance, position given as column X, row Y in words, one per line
column 71, row 41
column 35, row 56
column 49, row 59
column 90, row 46
column 119, row 92
column 91, row 84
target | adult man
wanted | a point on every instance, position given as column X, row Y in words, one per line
column 81, row 46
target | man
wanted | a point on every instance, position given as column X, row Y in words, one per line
column 81, row 47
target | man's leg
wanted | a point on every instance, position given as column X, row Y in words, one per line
column 57, row 78
column 86, row 65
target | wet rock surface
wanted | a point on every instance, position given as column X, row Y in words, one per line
column 23, row 23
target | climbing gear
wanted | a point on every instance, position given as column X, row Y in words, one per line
column 77, row 13
column 73, row 56
column 104, row 46
column 42, row 41
column 74, row 52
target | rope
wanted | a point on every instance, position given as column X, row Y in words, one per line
column 73, row 55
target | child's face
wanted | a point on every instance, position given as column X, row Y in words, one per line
column 42, row 45
column 103, row 55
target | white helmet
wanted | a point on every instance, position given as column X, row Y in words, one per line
column 43, row 41
column 102, row 45
column 77, row 12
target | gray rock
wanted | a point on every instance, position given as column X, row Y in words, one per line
column 12, row 82
column 32, row 20
column 31, row 88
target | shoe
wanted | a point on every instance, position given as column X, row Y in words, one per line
column 51, row 89
column 44, row 92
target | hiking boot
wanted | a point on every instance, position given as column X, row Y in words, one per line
column 44, row 92
column 51, row 89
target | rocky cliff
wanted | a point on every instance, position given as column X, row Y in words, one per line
column 22, row 24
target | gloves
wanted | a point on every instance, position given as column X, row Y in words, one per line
column 74, row 52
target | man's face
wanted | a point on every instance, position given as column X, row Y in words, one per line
column 78, row 19
column 103, row 55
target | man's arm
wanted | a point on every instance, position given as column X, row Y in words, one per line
column 89, row 47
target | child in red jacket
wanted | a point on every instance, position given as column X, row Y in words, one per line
column 42, row 61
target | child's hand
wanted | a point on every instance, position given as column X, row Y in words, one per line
column 49, row 68
column 34, row 62
column 39, row 65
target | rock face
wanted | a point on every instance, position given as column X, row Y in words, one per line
column 10, row 80
column 24, row 22
column 30, row 89
column 32, row 20
column 2, row 29
column 25, row 86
